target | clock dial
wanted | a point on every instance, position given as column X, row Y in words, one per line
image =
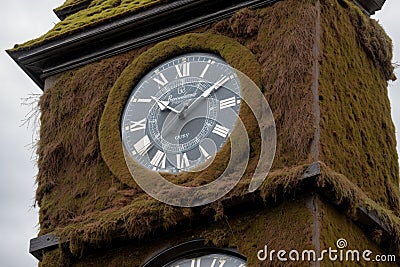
column 181, row 112
column 209, row 260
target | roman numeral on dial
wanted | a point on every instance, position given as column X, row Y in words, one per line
column 141, row 100
column 204, row 152
column 226, row 103
column 142, row 145
column 195, row 263
column 182, row 161
column 220, row 130
column 136, row 126
column 221, row 263
column 161, row 80
column 159, row 159
column 209, row 63
column 183, row 69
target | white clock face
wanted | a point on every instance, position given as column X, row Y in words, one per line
column 209, row 260
column 181, row 113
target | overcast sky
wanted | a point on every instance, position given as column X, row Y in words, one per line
column 22, row 20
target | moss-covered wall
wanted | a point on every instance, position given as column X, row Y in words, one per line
column 85, row 201
column 357, row 132
column 69, row 151
column 248, row 233
column 334, row 226
column 287, row 226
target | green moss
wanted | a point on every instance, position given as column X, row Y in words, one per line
column 55, row 258
column 374, row 40
column 247, row 233
column 340, row 191
column 333, row 226
column 97, row 12
column 68, row 4
column 357, row 133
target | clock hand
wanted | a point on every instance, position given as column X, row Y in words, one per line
column 181, row 113
column 164, row 104
column 205, row 94
column 165, row 129
column 215, row 86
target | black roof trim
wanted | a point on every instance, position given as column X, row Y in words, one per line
column 62, row 13
column 370, row 6
column 133, row 31
column 124, row 34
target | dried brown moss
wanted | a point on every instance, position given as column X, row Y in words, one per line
column 248, row 234
column 281, row 37
column 69, row 184
column 286, row 38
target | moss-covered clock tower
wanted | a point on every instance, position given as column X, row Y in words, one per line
column 114, row 72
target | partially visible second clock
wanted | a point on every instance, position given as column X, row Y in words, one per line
column 208, row 260
column 195, row 254
column 181, row 112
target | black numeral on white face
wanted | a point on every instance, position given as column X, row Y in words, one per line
column 154, row 131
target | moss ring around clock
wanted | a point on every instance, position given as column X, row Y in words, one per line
column 239, row 58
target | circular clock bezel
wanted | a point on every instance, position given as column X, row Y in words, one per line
column 236, row 55
column 195, row 248
column 142, row 117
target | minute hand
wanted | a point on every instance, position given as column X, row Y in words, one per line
column 205, row 94
column 215, row 86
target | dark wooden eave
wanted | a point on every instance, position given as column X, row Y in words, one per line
column 124, row 34
column 133, row 31
column 370, row 6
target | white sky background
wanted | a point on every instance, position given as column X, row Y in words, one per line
column 22, row 20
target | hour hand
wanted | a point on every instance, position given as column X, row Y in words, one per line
column 164, row 105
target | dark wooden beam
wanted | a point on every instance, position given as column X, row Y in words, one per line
column 41, row 244
column 370, row 6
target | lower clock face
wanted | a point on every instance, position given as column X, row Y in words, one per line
column 181, row 113
column 210, row 260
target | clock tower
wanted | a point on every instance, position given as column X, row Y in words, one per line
column 215, row 134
